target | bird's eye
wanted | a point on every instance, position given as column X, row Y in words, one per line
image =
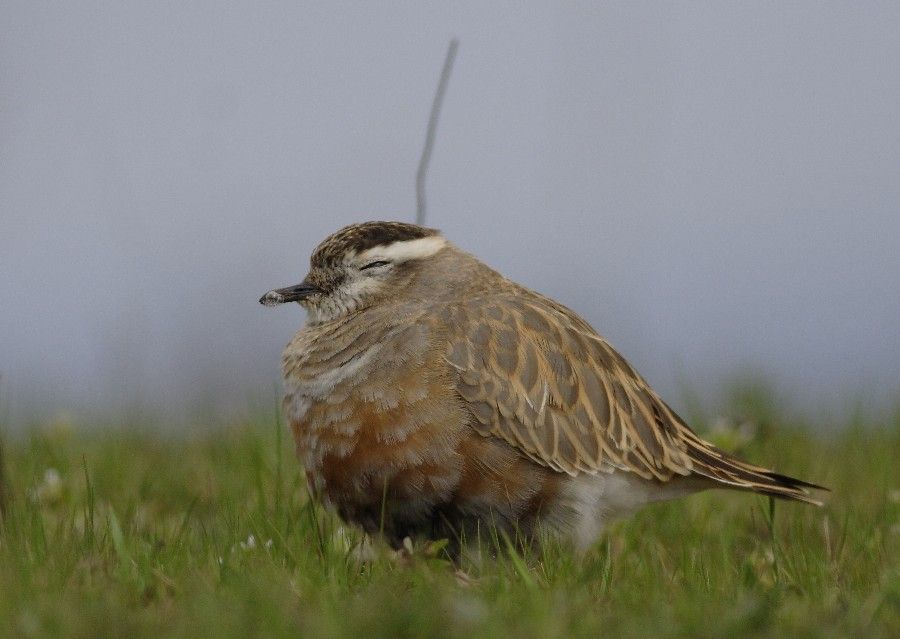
column 374, row 265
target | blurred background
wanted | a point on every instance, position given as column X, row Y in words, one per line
column 713, row 185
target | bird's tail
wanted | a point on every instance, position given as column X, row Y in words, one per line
column 727, row 471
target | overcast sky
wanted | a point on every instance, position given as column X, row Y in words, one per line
column 714, row 186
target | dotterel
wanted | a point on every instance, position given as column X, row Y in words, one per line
column 430, row 396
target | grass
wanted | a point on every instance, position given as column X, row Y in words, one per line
column 124, row 533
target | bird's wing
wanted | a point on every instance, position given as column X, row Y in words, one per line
column 535, row 374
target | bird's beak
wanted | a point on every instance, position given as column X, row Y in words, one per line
column 296, row 293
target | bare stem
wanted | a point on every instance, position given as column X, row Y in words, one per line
column 432, row 129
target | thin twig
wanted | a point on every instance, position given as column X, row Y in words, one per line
column 432, row 128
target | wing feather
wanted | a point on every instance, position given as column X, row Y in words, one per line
column 536, row 375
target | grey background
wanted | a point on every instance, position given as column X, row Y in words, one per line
column 713, row 185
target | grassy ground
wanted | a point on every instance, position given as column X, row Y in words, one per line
column 130, row 534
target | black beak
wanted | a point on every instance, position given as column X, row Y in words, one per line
column 296, row 293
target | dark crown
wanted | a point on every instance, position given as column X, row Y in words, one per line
column 361, row 237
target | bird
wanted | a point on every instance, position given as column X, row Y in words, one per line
column 431, row 397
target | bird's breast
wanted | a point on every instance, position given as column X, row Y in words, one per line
column 367, row 411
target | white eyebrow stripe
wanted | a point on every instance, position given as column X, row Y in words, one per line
column 405, row 250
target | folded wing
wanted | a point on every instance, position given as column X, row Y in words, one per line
column 538, row 376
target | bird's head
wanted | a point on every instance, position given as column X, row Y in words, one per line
column 359, row 266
